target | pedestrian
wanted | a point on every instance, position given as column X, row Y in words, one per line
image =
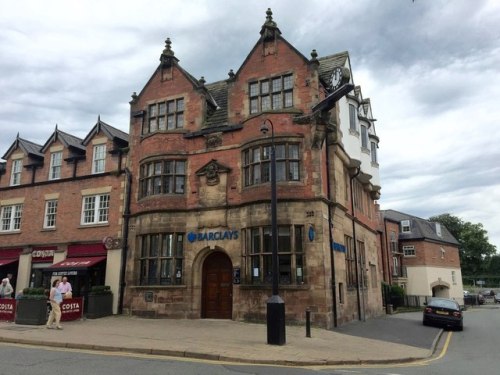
column 6, row 289
column 55, row 299
column 65, row 288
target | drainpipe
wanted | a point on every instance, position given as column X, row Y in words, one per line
column 355, row 243
column 330, row 232
column 126, row 219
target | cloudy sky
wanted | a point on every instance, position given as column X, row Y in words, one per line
column 430, row 67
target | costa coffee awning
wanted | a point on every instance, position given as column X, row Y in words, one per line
column 71, row 266
column 4, row 262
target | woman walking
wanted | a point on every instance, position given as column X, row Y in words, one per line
column 55, row 299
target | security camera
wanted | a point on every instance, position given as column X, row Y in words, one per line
column 264, row 129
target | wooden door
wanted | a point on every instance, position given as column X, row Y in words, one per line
column 217, row 289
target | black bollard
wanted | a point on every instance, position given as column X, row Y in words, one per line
column 308, row 323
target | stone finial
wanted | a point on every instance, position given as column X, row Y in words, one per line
column 270, row 28
column 231, row 73
column 167, row 56
column 202, row 81
column 314, row 55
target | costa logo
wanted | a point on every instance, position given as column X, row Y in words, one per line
column 70, row 306
column 6, row 307
column 42, row 253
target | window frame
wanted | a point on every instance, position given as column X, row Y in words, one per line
column 50, row 216
column 160, row 113
column 256, row 163
column 170, row 179
column 353, row 117
column 373, row 152
column 271, row 94
column 350, row 262
column 405, row 226
column 409, row 251
column 10, row 217
column 99, row 158
column 55, row 169
column 172, row 255
column 100, row 208
column 16, row 172
column 257, row 255
column 364, row 137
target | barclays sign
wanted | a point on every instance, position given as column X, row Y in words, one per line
column 213, row 236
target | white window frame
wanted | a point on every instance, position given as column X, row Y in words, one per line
column 15, row 176
column 49, row 221
column 364, row 137
column 11, row 218
column 395, row 266
column 55, row 165
column 453, row 278
column 95, row 209
column 409, row 251
column 353, row 119
column 373, row 152
column 99, row 159
column 438, row 229
column 405, row 226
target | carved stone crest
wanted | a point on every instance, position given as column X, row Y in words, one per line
column 211, row 171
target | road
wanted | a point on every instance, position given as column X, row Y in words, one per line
column 472, row 351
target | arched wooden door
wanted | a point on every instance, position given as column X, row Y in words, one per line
column 217, row 288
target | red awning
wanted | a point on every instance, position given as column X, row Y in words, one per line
column 75, row 264
column 4, row 262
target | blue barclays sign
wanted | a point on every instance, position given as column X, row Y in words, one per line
column 213, row 236
column 338, row 247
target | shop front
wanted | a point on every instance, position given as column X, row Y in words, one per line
column 9, row 263
column 41, row 258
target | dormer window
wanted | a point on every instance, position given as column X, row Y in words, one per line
column 55, row 165
column 438, row 229
column 99, row 159
column 15, row 177
column 405, row 226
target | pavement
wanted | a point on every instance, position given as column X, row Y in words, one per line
column 387, row 339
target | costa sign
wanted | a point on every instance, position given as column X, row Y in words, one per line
column 7, row 309
column 42, row 253
column 71, row 309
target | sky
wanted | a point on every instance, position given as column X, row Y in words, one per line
column 430, row 67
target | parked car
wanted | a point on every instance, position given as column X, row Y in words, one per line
column 443, row 312
column 480, row 299
column 497, row 298
column 487, row 293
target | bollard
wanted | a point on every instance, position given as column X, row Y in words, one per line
column 308, row 323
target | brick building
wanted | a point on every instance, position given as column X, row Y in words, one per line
column 57, row 203
column 199, row 228
column 425, row 256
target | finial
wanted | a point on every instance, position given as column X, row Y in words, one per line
column 99, row 118
column 17, row 137
column 56, row 127
column 202, row 81
column 231, row 73
column 270, row 28
column 134, row 95
column 314, row 55
column 168, row 50
column 269, row 13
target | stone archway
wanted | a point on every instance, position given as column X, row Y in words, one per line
column 440, row 289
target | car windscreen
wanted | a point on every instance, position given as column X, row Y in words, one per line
column 443, row 303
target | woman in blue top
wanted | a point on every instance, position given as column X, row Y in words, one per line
column 55, row 302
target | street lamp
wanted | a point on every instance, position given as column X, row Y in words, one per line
column 275, row 305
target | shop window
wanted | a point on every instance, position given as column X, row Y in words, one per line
column 161, row 259
column 257, row 163
column 95, row 209
column 11, row 217
column 163, row 116
column 271, row 94
column 258, row 255
column 17, row 167
column 162, row 177
column 50, row 214
column 99, row 159
column 55, row 165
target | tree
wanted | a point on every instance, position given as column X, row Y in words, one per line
column 474, row 246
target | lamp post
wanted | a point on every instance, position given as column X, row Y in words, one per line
column 275, row 305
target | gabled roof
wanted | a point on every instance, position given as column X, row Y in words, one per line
column 66, row 139
column 420, row 228
column 111, row 132
column 29, row 148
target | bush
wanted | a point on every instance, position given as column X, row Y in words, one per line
column 397, row 291
column 100, row 290
column 34, row 293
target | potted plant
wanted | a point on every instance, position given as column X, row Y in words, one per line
column 32, row 306
column 100, row 302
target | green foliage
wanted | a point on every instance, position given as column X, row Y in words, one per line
column 397, row 291
column 33, row 293
column 474, row 246
column 100, row 290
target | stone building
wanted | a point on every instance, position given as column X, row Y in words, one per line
column 199, row 230
column 58, row 201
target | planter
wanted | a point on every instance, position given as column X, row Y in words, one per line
column 31, row 311
column 99, row 305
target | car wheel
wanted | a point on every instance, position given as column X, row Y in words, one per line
column 460, row 327
column 425, row 322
